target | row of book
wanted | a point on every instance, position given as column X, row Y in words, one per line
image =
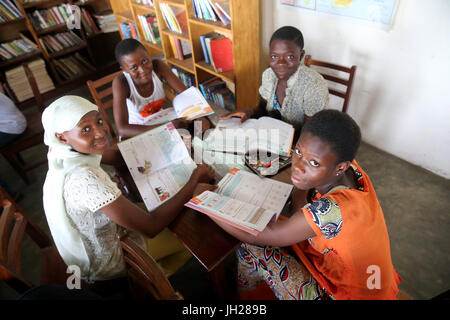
column 73, row 66
column 150, row 26
column 217, row 51
column 213, row 10
column 18, row 81
column 217, row 90
column 9, row 11
column 88, row 23
column 187, row 78
column 145, row 2
column 107, row 21
column 46, row 18
column 129, row 30
column 181, row 48
column 175, row 18
column 16, row 48
column 60, row 41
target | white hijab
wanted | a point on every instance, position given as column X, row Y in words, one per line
column 60, row 116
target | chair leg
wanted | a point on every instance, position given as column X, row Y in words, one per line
column 18, row 168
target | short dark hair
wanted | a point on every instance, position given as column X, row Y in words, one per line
column 337, row 129
column 126, row 46
column 288, row 33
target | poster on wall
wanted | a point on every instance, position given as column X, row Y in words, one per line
column 377, row 12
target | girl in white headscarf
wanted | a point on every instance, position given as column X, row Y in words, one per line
column 82, row 205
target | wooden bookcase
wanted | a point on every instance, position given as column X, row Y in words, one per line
column 244, row 33
column 98, row 48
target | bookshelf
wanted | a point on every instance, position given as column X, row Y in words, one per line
column 244, row 32
column 79, row 54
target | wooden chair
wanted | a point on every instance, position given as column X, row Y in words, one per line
column 101, row 91
column 32, row 136
column 347, row 83
column 14, row 223
column 146, row 279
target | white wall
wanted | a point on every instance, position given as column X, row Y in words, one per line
column 401, row 95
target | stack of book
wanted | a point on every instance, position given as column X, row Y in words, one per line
column 150, row 26
column 217, row 90
column 218, row 51
column 46, row 18
column 213, row 10
column 16, row 48
column 18, row 81
column 128, row 29
column 60, row 41
column 9, row 11
column 187, row 78
column 146, row 2
column 88, row 23
column 175, row 18
column 73, row 66
column 107, row 21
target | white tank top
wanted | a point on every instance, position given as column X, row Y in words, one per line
column 139, row 107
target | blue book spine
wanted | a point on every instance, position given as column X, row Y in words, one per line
column 205, row 52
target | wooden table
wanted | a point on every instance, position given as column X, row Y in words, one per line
column 209, row 244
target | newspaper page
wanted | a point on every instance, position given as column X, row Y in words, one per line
column 159, row 163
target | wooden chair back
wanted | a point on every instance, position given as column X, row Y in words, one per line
column 101, row 91
column 147, row 280
column 32, row 136
column 14, row 224
column 347, row 83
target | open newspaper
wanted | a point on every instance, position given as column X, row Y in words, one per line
column 244, row 200
column 159, row 163
column 189, row 104
column 265, row 133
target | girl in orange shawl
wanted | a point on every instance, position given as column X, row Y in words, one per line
column 335, row 243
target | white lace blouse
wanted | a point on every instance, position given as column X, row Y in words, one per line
column 86, row 191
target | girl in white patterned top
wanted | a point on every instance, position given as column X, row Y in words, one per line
column 290, row 91
column 84, row 208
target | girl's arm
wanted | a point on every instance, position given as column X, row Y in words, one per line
column 281, row 233
column 127, row 214
column 121, row 91
column 163, row 71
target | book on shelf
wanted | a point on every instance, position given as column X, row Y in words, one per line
column 18, row 81
column 206, row 44
column 88, row 23
column 263, row 134
column 16, row 48
column 217, row 90
column 149, row 25
column 175, row 18
column 145, row 2
column 128, row 29
column 159, row 163
column 225, row 18
column 182, row 48
column 222, row 54
column 9, row 11
column 106, row 21
column 224, row 6
column 208, row 10
column 244, row 200
column 187, row 78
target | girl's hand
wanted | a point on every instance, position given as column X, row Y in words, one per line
column 201, row 187
column 203, row 174
column 244, row 114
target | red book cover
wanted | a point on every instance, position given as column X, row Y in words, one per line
column 222, row 54
column 177, row 43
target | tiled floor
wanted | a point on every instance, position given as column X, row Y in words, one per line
column 416, row 215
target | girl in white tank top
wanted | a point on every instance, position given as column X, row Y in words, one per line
column 139, row 107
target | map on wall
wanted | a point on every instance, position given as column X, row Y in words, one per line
column 375, row 11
